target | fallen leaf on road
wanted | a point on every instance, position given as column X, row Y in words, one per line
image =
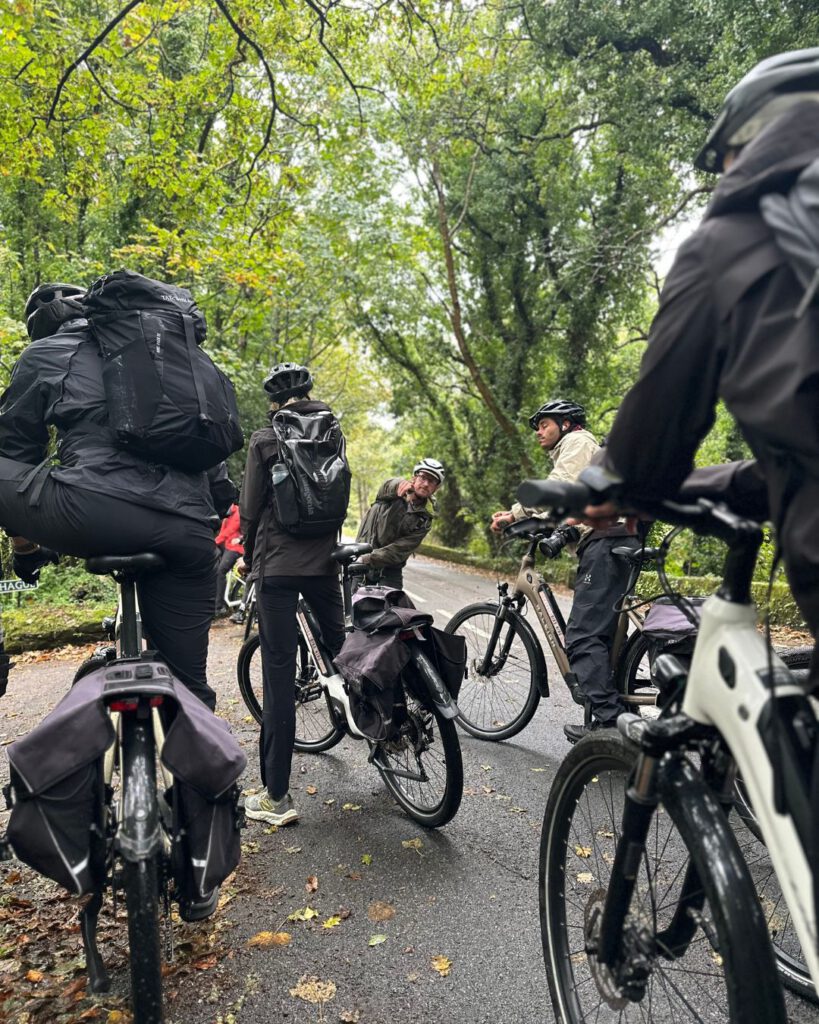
column 354, row 876
column 311, row 791
column 351, row 807
column 264, row 939
column 487, row 789
column 292, row 849
column 332, row 922
column 486, row 767
column 376, row 940
column 205, row 963
column 413, row 844
column 366, row 858
column 313, row 990
column 34, row 976
column 380, row 911
column 583, row 851
column 350, row 1016
column 329, row 803
column 538, row 769
column 442, row 964
column 305, row 914
column 312, row 884
column 585, row 877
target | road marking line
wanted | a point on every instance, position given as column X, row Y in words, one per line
column 414, row 597
column 444, row 612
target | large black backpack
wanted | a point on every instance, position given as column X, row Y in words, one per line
column 167, row 401
column 311, row 481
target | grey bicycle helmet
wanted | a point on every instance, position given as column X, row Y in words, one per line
column 559, row 409
column 765, row 92
column 50, row 305
column 432, row 467
column 286, row 380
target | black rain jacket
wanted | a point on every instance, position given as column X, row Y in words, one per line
column 723, row 331
column 57, row 382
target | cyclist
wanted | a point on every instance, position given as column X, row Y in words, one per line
column 398, row 520
column 726, row 325
column 229, row 545
column 101, row 500
column 600, row 580
column 283, row 566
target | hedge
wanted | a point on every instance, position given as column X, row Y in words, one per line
column 562, row 570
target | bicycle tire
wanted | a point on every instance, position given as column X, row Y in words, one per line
column 93, row 663
column 517, row 693
column 632, row 673
column 727, row 964
column 141, row 881
column 787, row 949
column 431, row 811
column 316, row 729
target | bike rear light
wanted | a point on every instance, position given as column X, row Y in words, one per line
column 124, row 705
column 132, row 703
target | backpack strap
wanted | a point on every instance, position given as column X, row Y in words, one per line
column 190, row 339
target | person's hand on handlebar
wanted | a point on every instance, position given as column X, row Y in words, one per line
column 242, row 568
column 500, row 519
column 357, row 568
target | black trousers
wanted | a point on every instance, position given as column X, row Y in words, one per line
column 600, row 583
column 278, row 598
column 176, row 604
column 225, row 562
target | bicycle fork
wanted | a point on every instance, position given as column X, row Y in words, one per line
column 488, row 662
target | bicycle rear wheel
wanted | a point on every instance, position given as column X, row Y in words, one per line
column 421, row 765
column 702, row 957
column 142, row 874
column 497, row 703
column 316, row 730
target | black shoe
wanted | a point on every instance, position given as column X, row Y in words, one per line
column 199, row 909
column 573, row 733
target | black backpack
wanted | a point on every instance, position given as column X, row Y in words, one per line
column 311, row 481
column 167, row 401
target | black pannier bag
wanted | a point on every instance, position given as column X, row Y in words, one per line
column 310, row 484
column 669, row 631
column 57, row 790
column 374, row 661
column 56, row 787
column 167, row 401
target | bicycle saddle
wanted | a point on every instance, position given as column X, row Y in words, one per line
column 145, row 561
column 528, row 528
column 345, row 553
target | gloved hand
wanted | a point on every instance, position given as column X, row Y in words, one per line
column 552, row 546
column 27, row 566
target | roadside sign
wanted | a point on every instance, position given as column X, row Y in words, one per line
column 12, row 586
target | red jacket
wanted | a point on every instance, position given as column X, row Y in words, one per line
column 230, row 534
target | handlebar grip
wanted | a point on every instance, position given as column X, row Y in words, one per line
column 557, row 495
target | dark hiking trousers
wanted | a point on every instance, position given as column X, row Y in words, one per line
column 600, row 583
column 176, row 604
column 278, row 598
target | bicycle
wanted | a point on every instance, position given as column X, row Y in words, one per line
column 506, row 674
column 420, row 762
column 646, row 902
column 130, row 837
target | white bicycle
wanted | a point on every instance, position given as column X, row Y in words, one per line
column 649, row 910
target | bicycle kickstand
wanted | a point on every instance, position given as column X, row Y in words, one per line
column 98, row 978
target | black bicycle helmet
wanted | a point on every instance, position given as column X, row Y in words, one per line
column 559, row 409
column 50, row 305
column 286, row 380
column 765, row 92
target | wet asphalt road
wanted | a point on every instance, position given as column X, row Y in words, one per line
column 467, row 892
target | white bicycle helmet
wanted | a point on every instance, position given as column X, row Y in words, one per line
column 432, row 467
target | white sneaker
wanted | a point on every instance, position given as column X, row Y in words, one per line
column 262, row 807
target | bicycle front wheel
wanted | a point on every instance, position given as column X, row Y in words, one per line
column 316, row 730
column 499, row 694
column 693, row 946
column 421, row 765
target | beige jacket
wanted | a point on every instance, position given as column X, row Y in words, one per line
column 570, row 456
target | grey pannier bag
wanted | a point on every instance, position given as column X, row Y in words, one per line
column 669, row 631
